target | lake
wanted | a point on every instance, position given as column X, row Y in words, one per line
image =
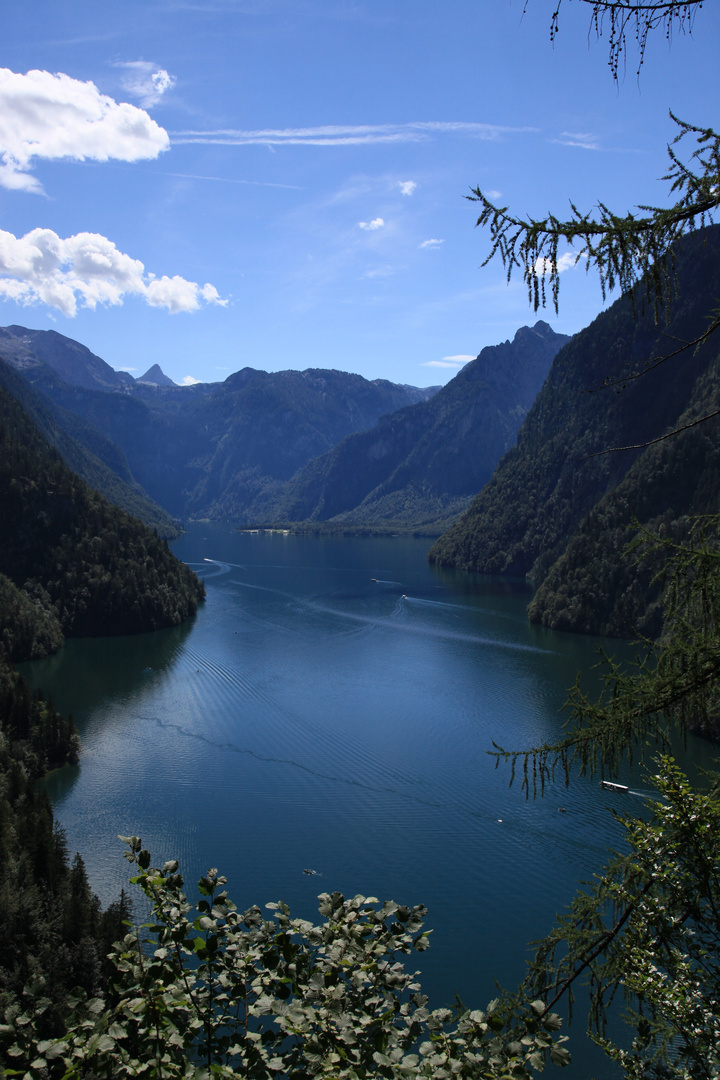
column 331, row 707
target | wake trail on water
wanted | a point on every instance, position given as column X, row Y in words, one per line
column 391, row 622
column 467, row 609
column 222, row 568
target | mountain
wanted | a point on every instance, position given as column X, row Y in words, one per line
column 205, row 450
column 73, row 362
column 156, row 376
column 420, row 465
column 559, row 508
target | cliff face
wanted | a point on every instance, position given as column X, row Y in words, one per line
column 559, row 508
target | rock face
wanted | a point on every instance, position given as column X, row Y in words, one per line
column 560, row 507
column 156, row 376
column 422, row 464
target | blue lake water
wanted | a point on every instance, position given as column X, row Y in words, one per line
column 331, row 707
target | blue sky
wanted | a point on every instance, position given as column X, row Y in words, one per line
column 214, row 184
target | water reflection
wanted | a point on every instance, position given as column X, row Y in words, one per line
column 88, row 671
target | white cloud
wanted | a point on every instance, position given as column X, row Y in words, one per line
column 145, row 82
column 431, row 243
column 189, row 380
column 347, row 134
column 130, row 369
column 87, row 269
column 584, row 140
column 54, row 116
column 371, row 226
column 544, row 266
column 492, row 194
column 457, row 361
column 407, row 187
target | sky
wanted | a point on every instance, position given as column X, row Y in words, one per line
column 218, row 184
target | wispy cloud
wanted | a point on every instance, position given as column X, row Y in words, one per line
column 86, row 270
column 584, row 140
column 145, row 81
column 432, row 243
column 371, row 226
column 347, row 135
column 232, row 180
column 54, row 116
column 407, row 187
column 457, row 361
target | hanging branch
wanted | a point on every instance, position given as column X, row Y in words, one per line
column 621, row 249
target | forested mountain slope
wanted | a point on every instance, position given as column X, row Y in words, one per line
column 421, row 464
column 87, row 566
column 87, row 452
column 544, row 488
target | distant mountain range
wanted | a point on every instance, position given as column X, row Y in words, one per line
column 289, row 445
column 560, row 508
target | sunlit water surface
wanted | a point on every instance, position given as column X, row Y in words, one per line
column 331, row 708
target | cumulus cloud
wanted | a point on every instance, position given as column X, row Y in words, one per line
column 457, row 361
column 189, row 380
column 431, row 243
column 544, row 266
column 145, row 82
column 407, row 187
column 86, row 270
column 371, row 226
column 54, row 116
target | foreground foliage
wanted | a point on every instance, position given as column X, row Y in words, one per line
column 211, row 991
column 649, row 929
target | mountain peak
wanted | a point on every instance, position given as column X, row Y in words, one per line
column 156, row 376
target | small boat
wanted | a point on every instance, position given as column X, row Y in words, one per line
column 609, row 786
